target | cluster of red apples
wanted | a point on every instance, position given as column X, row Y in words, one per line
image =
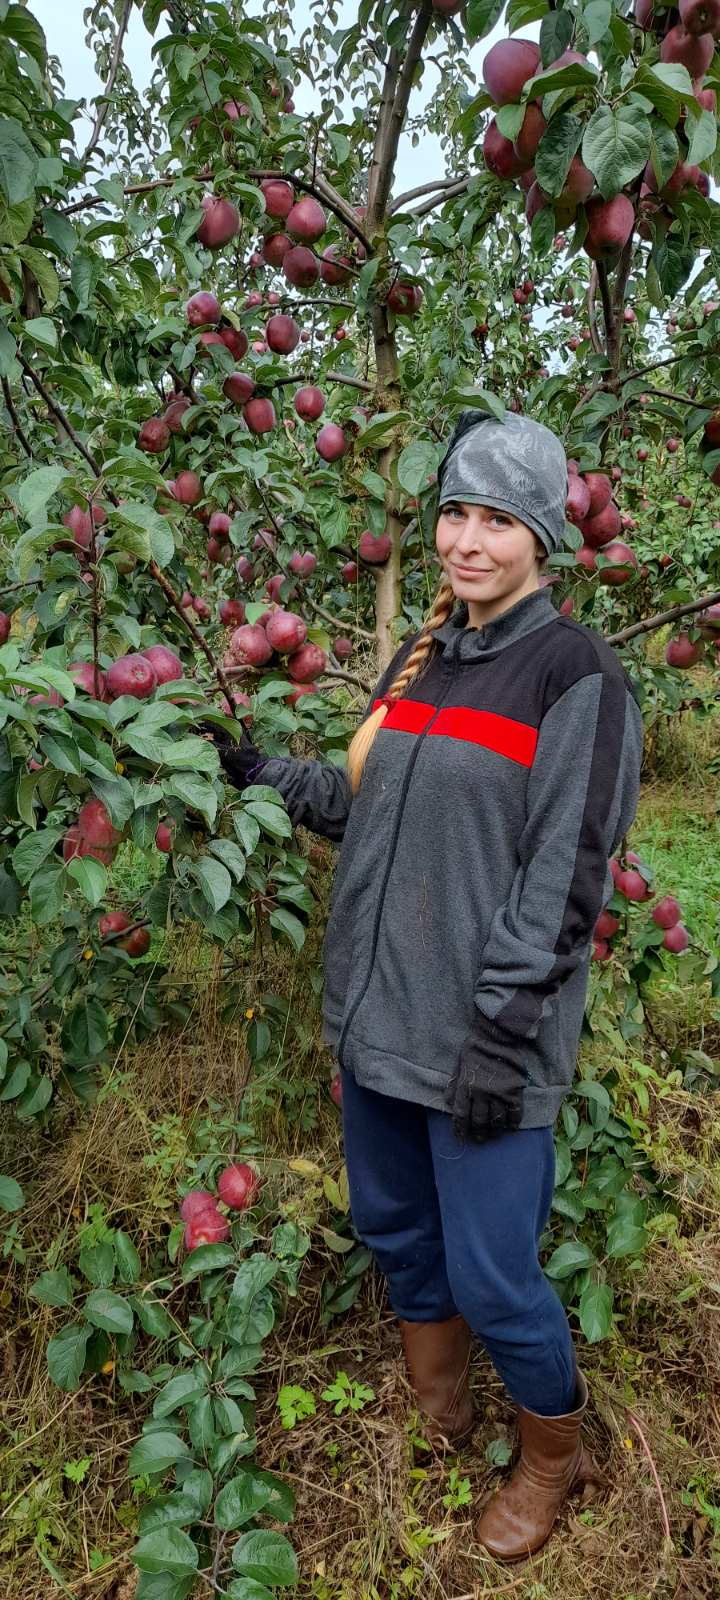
column 629, row 880
column 238, row 1188
column 512, row 63
column 591, row 508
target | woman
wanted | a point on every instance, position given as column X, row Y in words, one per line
column 495, row 772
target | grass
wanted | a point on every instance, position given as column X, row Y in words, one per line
column 371, row 1521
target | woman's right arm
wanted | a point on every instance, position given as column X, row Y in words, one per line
column 317, row 794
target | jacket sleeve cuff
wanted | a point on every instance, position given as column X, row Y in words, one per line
column 485, row 1031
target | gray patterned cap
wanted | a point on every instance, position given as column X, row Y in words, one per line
column 517, row 465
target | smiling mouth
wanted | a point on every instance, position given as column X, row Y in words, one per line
column 485, row 572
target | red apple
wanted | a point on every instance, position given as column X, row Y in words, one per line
column 238, row 1186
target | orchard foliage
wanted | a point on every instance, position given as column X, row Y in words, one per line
column 230, row 351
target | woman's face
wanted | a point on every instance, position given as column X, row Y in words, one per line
column 490, row 557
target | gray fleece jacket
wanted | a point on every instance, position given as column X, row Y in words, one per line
column 474, row 857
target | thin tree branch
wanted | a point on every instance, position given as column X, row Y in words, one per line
column 14, row 418
column 684, row 399
column 165, row 585
column 422, row 188
column 396, row 94
column 322, row 191
column 451, row 193
column 107, row 91
column 653, row 366
column 307, row 599
column 592, row 318
column 610, row 339
column 649, row 624
column 354, row 383
column 61, row 417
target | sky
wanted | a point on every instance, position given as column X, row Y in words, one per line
column 62, row 21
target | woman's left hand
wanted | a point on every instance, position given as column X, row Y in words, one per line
column 485, row 1093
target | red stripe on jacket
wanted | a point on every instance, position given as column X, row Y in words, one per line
column 516, row 740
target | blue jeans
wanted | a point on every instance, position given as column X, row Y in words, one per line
column 455, row 1227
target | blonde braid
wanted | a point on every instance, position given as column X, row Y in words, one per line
column 362, row 742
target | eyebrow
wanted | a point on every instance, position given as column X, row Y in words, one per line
column 460, row 503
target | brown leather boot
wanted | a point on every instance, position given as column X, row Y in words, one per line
column 553, row 1462
column 437, row 1356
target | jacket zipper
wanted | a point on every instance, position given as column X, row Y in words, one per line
column 391, row 857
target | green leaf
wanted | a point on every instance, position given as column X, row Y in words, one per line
column 43, row 271
column 231, row 855
column 34, row 492
column 194, row 792
column 596, row 1303
column 90, row 877
column 479, row 400
column 596, row 20
column 556, row 31
column 417, row 464
column 481, row 16
column 163, row 1585
column 66, row 1355
column 53, row 1288
column 214, row 880
column 569, row 1258
column 290, row 925
column 625, row 1237
column 47, row 890
column 510, row 120
column 155, row 1452
column 673, row 261
column 18, row 162
column 30, row 853
column 166, row 1550
column 152, row 1316
column 666, row 85
column 248, row 1589
column 379, row 430
column 267, row 1557
column 159, row 545
column 272, row 818
column 11, row 1195
column 664, row 151
column 575, row 76
column 704, row 138
column 616, row 146
column 556, row 149
column 182, row 1390
column 109, row 1311
column 60, row 230
column 97, row 1263
column 243, row 1498
column 43, row 331
column 127, row 1258
column 208, row 1258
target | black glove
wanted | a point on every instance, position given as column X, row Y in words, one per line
column 242, row 762
column 485, row 1093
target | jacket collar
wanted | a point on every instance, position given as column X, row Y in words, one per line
column 470, row 644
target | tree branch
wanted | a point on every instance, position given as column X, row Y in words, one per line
column 14, row 418
column 422, row 188
column 450, row 193
column 167, row 588
column 592, row 319
column 107, row 91
column 684, row 399
column 322, row 191
column 396, row 94
column 354, row 383
column 649, row 624
column 307, row 599
column 61, row 417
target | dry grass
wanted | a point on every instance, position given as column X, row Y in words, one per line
column 370, row 1522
